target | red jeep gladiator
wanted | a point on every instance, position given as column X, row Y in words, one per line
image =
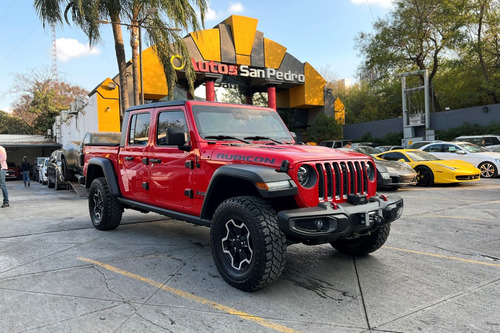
column 236, row 169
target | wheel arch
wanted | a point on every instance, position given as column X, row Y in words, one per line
column 102, row 167
column 241, row 180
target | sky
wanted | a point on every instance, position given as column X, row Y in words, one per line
column 320, row 32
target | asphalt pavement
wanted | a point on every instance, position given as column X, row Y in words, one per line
column 439, row 271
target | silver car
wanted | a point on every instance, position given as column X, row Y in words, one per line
column 390, row 174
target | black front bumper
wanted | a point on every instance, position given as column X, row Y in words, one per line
column 328, row 222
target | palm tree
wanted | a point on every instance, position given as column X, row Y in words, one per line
column 162, row 35
column 181, row 16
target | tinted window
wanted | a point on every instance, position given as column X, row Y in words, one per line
column 139, row 129
column 494, row 140
column 166, row 120
column 434, row 148
column 394, row 157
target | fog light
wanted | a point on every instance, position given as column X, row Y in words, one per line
column 319, row 224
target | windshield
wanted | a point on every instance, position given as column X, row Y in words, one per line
column 239, row 122
column 471, row 148
column 418, row 155
column 367, row 150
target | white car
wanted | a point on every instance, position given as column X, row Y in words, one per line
column 42, row 171
column 488, row 141
column 486, row 161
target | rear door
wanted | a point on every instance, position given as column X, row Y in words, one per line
column 133, row 157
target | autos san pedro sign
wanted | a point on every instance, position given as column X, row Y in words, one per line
column 241, row 70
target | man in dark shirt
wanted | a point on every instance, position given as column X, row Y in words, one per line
column 25, row 168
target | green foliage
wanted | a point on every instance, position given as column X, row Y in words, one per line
column 236, row 96
column 468, row 129
column 324, row 128
column 390, row 139
column 10, row 124
column 369, row 102
column 456, row 41
column 41, row 100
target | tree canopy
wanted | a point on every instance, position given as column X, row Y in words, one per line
column 457, row 41
column 41, row 99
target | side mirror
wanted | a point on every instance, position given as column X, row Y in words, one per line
column 460, row 152
column 177, row 137
column 401, row 160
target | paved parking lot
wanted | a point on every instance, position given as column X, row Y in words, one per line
column 438, row 272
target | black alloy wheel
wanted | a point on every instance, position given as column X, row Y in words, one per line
column 248, row 248
column 105, row 209
column 425, row 176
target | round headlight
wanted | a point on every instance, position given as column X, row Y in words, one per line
column 370, row 171
column 306, row 176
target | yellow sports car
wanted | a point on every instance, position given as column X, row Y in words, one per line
column 432, row 170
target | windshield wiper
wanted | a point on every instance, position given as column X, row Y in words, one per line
column 225, row 137
column 262, row 138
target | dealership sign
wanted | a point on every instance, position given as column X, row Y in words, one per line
column 241, row 70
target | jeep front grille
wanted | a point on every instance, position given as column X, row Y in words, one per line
column 338, row 179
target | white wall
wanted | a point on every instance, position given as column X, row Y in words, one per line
column 76, row 125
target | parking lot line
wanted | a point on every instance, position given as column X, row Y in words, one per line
column 443, row 256
column 189, row 296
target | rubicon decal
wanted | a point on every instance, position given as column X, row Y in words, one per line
column 246, row 158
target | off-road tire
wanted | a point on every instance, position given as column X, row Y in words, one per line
column 425, row 177
column 105, row 210
column 245, row 233
column 363, row 245
column 488, row 170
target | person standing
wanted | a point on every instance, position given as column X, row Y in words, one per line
column 3, row 172
column 25, row 168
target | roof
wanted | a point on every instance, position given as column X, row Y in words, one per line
column 16, row 140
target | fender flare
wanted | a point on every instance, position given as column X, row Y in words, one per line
column 252, row 174
column 108, row 170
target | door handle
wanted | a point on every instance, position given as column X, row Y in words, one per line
column 155, row 160
column 129, row 158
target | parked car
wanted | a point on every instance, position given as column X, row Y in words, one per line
column 42, row 172
column 13, row 171
column 369, row 144
column 418, row 144
column 334, row 143
column 398, row 173
column 489, row 142
column 488, row 162
column 54, row 173
column 433, row 170
column 381, row 149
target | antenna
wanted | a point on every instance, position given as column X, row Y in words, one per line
column 54, row 52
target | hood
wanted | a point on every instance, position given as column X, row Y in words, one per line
column 393, row 165
column 276, row 154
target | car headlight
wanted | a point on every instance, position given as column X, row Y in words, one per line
column 306, row 176
column 446, row 166
column 370, row 171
